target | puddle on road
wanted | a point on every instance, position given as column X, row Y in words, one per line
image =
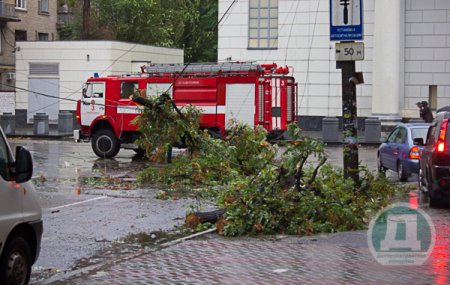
column 108, row 174
column 115, row 251
column 131, row 244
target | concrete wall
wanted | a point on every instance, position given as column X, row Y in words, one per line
column 303, row 43
column 79, row 60
column 427, row 52
column 8, row 104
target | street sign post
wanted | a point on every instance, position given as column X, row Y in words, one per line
column 349, row 51
column 346, row 25
column 346, row 20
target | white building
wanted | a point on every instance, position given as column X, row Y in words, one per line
column 49, row 75
column 407, row 52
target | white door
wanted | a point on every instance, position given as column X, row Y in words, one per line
column 93, row 102
column 43, row 94
column 10, row 196
column 240, row 103
column 43, row 97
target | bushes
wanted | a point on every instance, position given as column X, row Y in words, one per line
column 332, row 204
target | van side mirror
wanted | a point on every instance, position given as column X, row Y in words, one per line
column 418, row 141
column 23, row 165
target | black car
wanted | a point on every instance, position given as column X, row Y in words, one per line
column 434, row 172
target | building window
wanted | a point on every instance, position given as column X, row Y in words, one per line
column 43, row 36
column 43, row 6
column 263, row 24
column 20, row 35
column 21, row 4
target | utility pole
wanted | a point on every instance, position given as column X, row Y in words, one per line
column 86, row 19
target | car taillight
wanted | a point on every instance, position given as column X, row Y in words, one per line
column 414, row 153
column 440, row 146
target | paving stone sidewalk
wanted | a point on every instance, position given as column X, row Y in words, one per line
column 333, row 259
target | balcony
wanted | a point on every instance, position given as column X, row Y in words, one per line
column 8, row 13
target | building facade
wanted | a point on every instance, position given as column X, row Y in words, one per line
column 407, row 53
column 50, row 74
column 21, row 20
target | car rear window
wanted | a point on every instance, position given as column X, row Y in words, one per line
column 419, row 133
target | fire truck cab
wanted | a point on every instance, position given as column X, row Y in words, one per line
column 255, row 94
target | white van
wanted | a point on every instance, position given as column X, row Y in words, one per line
column 20, row 216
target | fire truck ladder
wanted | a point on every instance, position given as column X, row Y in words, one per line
column 208, row 68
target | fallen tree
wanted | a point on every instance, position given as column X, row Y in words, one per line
column 259, row 187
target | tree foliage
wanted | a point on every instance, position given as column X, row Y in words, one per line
column 161, row 127
column 186, row 24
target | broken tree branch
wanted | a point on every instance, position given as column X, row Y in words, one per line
column 299, row 173
column 316, row 170
column 197, row 218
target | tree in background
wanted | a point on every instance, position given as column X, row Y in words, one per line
column 70, row 19
column 187, row 24
column 200, row 33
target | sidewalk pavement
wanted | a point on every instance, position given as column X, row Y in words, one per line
column 342, row 258
column 28, row 133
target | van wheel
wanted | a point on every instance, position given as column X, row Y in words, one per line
column 401, row 173
column 105, row 144
column 15, row 263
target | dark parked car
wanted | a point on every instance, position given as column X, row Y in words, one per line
column 399, row 153
column 434, row 174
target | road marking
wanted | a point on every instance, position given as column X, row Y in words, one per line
column 77, row 203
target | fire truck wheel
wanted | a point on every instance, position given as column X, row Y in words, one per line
column 105, row 144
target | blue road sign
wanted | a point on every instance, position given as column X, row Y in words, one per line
column 346, row 20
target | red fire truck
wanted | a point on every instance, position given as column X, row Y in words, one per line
column 256, row 94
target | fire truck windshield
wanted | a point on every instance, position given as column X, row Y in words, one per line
column 93, row 90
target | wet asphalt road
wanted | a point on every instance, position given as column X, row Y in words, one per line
column 80, row 220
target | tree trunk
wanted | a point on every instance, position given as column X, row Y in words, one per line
column 197, row 218
column 86, row 19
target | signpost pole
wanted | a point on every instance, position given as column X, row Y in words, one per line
column 349, row 115
column 346, row 26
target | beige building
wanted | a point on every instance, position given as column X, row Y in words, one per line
column 21, row 20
